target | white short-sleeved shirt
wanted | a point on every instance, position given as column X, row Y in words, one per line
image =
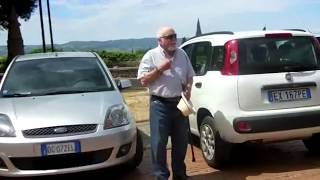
column 171, row 82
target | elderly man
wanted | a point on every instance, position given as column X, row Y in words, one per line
column 167, row 72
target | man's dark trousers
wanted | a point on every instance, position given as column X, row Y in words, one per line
column 166, row 120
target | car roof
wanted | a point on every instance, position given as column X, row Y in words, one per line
column 220, row 38
column 54, row 55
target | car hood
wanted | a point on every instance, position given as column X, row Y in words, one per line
column 58, row 110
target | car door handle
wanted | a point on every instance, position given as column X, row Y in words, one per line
column 198, row 84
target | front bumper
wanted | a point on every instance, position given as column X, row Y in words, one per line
column 23, row 156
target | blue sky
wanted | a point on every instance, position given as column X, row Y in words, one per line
column 101, row 20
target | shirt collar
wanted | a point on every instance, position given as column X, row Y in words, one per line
column 162, row 51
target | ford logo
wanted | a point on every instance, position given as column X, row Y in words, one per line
column 60, row 130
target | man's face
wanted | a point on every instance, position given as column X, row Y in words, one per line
column 168, row 41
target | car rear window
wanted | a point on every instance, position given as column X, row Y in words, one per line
column 272, row 55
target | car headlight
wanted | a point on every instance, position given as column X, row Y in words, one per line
column 6, row 127
column 116, row 116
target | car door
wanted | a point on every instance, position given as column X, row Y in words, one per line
column 200, row 54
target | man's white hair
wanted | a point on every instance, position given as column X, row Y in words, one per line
column 164, row 31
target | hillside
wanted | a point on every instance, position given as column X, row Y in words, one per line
column 111, row 45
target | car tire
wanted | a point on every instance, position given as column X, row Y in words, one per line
column 313, row 144
column 215, row 150
column 137, row 158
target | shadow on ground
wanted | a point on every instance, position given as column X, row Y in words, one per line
column 113, row 173
column 286, row 160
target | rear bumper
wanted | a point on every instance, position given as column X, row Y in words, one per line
column 271, row 123
column 269, row 126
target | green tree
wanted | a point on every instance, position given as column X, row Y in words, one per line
column 10, row 11
column 2, row 63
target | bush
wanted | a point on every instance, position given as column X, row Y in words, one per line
column 2, row 64
column 48, row 49
column 121, row 59
column 113, row 58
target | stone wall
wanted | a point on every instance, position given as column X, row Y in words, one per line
column 124, row 72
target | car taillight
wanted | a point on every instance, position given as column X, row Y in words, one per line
column 231, row 62
column 279, row 35
column 243, row 126
column 316, row 44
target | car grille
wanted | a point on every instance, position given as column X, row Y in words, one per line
column 60, row 131
column 62, row 161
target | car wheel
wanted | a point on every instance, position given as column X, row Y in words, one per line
column 215, row 150
column 137, row 158
column 313, row 144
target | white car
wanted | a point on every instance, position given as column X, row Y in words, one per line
column 62, row 113
column 256, row 86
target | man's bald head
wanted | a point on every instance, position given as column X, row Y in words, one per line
column 165, row 31
column 167, row 39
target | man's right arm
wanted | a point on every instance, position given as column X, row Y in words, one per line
column 149, row 77
column 148, row 72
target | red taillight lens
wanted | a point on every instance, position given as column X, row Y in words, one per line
column 279, row 35
column 231, row 62
column 243, row 126
column 316, row 43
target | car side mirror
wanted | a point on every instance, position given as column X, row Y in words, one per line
column 123, row 83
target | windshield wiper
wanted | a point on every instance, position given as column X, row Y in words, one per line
column 68, row 92
column 26, row 94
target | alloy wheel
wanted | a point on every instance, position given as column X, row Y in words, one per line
column 207, row 141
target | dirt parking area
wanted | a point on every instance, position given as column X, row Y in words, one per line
column 138, row 101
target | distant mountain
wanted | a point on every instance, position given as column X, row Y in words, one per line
column 112, row 45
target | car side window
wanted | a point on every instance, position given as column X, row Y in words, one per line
column 201, row 57
column 218, row 58
column 188, row 49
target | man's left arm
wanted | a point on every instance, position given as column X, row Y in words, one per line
column 190, row 74
column 187, row 90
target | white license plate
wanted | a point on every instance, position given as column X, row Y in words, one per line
column 289, row 95
column 60, row 148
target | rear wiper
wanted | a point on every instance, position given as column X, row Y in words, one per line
column 300, row 68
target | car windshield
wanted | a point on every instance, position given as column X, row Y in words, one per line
column 272, row 55
column 63, row 75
